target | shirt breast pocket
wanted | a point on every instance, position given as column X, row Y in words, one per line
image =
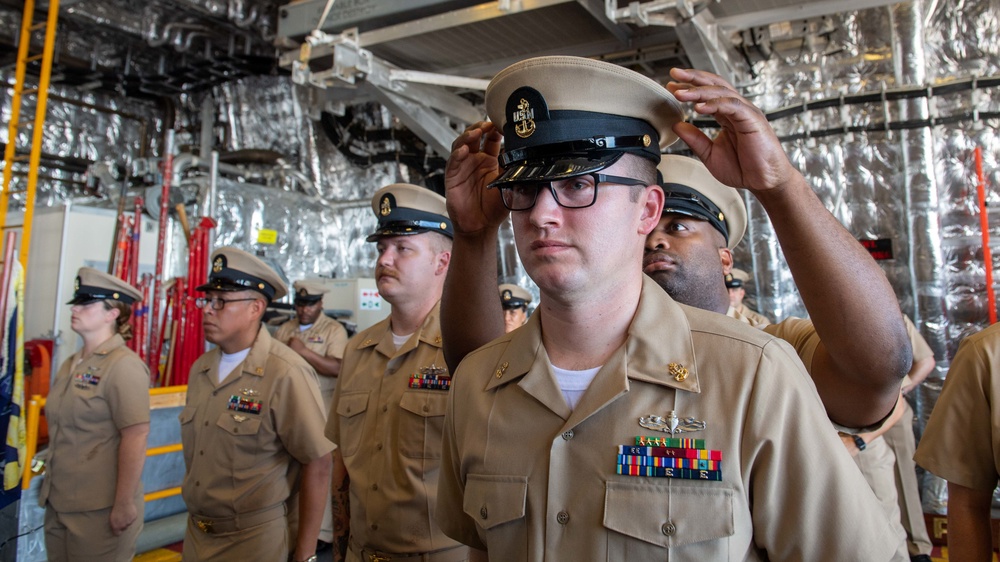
column 240, row 439
column 421, row 423
column 350, row 408
column 497, row 504
column 693, row 521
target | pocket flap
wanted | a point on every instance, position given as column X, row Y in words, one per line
column 425, row 404
column 669, row 515
column 249, row 425
column 187, row 414
column 492, row 500
column 352, row 404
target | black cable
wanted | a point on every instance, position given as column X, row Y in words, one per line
column 15, row 537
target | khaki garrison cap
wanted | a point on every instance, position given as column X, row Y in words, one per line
column 512, row 296
column 309, row 291
column 236, row 270
column 94, row 285
column 567, row 116
column 693, row 191
column 403, row 209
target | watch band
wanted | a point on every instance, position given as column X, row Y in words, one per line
column 859, row 442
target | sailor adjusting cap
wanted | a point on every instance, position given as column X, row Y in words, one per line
column 512, row 296
column 736, row 279
column 94, row 285
column 403, row 209
column 309, row 292
column 690, row 189
column 567, row 116
column 236, row 270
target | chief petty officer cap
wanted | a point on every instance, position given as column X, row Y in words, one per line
column 692, row 190
column 236, row 270
column 567, row 116
column 94, row 285
column 309, row 292
column 736, row 279
column 403, row 209
column 512, row 296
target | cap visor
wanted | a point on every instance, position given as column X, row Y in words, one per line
column 383, row 232
column 556, row 167
column 83, row 299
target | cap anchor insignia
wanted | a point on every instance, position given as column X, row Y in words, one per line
column 671, row 424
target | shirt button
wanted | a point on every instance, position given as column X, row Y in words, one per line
column 669, row 529
column 201, row 452
column 374, row 526
column 562, row 518
column 206, row 424
column 568, row 435
column 378, row 446
column 374, row 486
column 197, row 483
column 385, row 408
column 426, row 408
column 482, row 512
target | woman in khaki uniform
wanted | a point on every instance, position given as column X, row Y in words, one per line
column 98, row 416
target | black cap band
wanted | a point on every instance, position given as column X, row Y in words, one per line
column 86, row 294
column 684, row 200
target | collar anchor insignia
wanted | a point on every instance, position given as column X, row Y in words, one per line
column 671, row 424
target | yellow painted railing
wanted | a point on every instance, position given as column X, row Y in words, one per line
column 162, row 397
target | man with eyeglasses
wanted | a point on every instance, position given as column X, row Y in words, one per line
column 252, row 428
column 388, row 409
column 651, row 430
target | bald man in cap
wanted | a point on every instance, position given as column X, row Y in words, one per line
column 320, row 340
column 623, row 378
column 736, row 284
column 252, row 428
column 388, row 409
column 514, row 301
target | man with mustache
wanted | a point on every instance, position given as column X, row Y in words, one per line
column 252, row 428
column 540, row 417
column 388, row 409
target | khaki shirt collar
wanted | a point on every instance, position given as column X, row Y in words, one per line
column 113, row 343
column 429, row 333
column 253, row 364
column 659, row 336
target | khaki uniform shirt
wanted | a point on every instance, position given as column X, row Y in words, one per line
column 244, row 438
column 530, row 479
column 390, row 437
column 326, row 337
column 961, row 442
column 748, row 315
column 88, row 406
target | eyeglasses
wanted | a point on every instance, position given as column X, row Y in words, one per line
column 577, row 192
column 217, row 303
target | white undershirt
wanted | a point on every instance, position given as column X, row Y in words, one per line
column 304, row 327
column 574, row 383
column 398, row 341
column 230, row 361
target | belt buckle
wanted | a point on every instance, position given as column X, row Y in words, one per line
column 378, row 558
column 204, row 526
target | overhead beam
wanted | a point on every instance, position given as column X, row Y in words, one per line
column 802, row 10
column 704, row 47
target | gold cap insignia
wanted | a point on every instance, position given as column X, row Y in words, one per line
column 115, row 296
column 303, row 293
column 260, row 286
column 443, row 226
column 646, row 141
column 218, row 264
column 385, row 207
column 76, row 287
column 524, row 119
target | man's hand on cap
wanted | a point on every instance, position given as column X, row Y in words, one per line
column 471, row 167
column 746, row 153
